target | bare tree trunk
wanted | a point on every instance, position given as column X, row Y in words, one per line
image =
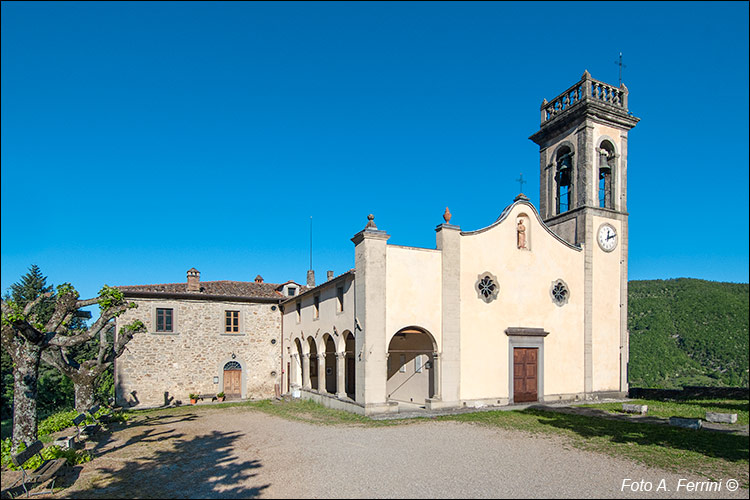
column 83, row 382
column 84, row 387
column 25, row 392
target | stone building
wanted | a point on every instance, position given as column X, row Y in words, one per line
column 532, row 307
column 204, row 338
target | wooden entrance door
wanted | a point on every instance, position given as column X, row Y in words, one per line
column 525, row 374
column 232, row 383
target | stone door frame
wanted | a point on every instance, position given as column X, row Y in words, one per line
column 243, row 375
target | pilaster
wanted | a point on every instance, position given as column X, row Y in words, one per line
column 369, row 292
column 448, row 240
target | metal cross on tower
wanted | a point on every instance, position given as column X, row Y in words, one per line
column 619, row 63
column 521, row 181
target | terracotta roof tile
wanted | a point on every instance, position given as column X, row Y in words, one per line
column 247, row 289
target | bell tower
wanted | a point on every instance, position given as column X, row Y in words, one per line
column 583, row 140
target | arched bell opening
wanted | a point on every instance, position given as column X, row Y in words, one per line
column 563, row 179
column 605, row 169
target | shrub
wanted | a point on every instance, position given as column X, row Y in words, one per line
column 73, row 457
column 57, row 422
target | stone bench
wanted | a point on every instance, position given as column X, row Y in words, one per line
column 722, row 418
column 631, row 408
column 688, row 423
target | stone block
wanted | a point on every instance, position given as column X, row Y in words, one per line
column 65, row 442
column 688, row 423
column 630, row 408
column 723, row 418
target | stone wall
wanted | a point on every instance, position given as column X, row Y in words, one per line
column 158, row 366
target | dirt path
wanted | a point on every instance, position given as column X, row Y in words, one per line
column 241, row 453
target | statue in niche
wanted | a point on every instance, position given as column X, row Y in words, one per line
column 521, row 230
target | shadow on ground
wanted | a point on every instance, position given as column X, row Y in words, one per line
column 198, row 467
column 622, row 429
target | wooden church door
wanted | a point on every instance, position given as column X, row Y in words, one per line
column 524, row 374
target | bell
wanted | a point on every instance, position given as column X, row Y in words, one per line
column 604, row 162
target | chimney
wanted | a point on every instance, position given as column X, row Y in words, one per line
column 311, row 278
column 329, row 275
column 259, row 279
column 193, row 280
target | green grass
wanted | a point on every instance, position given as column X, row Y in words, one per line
column 714, row 455
column 693, row 408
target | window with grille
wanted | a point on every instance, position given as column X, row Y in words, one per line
column 232, row 324
column 164, row 320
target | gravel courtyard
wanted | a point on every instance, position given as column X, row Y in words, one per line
column 238, row 452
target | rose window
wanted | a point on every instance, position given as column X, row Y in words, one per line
column 559, row 292
column 487, row 287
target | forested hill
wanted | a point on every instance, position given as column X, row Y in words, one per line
column 688, row 332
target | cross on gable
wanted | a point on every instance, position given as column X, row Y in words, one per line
column 521, row 181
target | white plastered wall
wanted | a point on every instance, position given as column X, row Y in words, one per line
column 525, row 278
column 606, row 312
column 413, row 290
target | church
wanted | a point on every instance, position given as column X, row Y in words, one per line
column 532, row 307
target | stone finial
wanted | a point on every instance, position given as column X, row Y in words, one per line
column 586, row 75
column 193, row 280
column 521, row 196
column 447, row 216
column 544, row 101
column 371, row 222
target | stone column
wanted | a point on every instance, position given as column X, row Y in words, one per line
column 340, row 370
column 436, row 373
column 322, row 372
column 306, row 371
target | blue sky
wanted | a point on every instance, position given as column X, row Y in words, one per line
column 142, row 139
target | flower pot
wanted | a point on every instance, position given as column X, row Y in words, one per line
column 193, row 401
column 221, row 399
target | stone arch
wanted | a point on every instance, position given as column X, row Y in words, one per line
column 328, row 349
column 412, row 375
column 563, row 171
column 350, row 375
column 313, row 357
column 234, row 361
column 605, row 172
column 297, row 362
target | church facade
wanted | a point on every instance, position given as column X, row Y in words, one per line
column 532, row 307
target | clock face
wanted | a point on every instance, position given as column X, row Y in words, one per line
column 607, row 237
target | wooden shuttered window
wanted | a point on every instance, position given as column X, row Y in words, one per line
column 232, row 322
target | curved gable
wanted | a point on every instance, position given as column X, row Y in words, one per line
column 506, row 212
